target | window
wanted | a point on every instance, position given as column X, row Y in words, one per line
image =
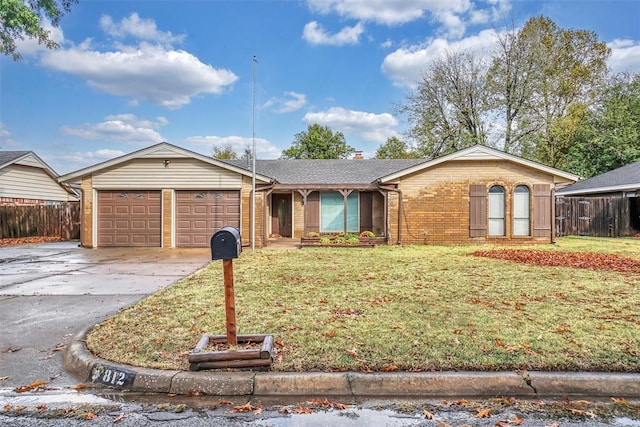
column 496, row 211
column 521, row 201
column 332, row 212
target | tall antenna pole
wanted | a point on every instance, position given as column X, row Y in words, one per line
column 253, row 155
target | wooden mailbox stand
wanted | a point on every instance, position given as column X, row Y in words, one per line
column 225, row 245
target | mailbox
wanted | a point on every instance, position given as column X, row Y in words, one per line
column 226, row 243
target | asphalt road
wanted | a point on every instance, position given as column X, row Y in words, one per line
column 50, row 291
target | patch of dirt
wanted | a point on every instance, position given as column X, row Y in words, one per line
column 17, row 241
column 587, row 260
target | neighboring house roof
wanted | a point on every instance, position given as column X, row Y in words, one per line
column 163, row 150
column 323, row 172
column 25, row 158
column 9, row 157
column 625, row 178
column 476, row 153
column 31, row 159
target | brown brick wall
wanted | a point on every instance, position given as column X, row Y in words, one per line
column 245, row 232
column 86, row 216
column 298, row 215
column 436, row 201
column 167, row 217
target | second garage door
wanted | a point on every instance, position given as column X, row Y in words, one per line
column 129, row 218
column 199, row 214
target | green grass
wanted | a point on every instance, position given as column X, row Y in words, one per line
column 407, row 308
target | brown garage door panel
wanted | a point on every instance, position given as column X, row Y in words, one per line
column 199, row 214
column 129, row 218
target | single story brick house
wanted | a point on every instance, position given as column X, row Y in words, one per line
column 26, row 180
column 168, row 196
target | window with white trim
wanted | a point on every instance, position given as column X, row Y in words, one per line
column 496, row 211
column 521, row 211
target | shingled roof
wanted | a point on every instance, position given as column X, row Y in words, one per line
column 307, row 172
column 625, row 178
column 7, row 157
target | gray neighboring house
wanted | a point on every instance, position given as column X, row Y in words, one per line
column 26, row 180
column 621, row 182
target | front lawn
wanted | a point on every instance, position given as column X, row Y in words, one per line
column 414, row 308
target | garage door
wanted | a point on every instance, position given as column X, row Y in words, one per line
column 129, row 218
column 199, row 214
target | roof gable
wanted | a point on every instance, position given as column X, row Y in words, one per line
column 25, row 158
column 480, row 153
column 624, row 178
column 163, row 150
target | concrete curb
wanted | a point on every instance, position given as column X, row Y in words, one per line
column 84, row 365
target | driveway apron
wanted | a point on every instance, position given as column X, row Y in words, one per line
column 50, row 291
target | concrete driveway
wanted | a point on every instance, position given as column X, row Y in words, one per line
column 50, row 291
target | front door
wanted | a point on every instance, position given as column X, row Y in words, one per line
column 281, row 215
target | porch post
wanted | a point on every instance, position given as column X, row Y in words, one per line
column 304, row 194
column 345, row 194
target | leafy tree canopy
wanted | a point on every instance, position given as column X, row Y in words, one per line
column 610, row 136
column 20, row 19
column 394, row 148
column 318, row 142
column 224, row 152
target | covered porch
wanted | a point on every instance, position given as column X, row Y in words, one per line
column 298, row 211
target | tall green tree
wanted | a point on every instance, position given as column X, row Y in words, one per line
column 540, row 85
column 20, row 19
column 610, row 136
column 224, row 152
column 447, row 111
column 570, row 71
column 318, row 142
column 394, row 148
column 510, row 88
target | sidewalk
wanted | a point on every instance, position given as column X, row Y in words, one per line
column 88, row 368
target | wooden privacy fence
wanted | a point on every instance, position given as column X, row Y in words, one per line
column 597, row 216
column 42, row 221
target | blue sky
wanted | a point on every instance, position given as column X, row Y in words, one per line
column 130, row 74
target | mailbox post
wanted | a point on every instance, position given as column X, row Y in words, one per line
column 226, row 245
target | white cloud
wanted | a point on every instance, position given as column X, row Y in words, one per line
column 315, row 34
column 406, row 65
column 264, row 148
column 291, row 101
column 126, row 128
column 65, row 163
column 370, row 126
column 5, row 139
column 625, row 55
column 140, row 29
column 452, row 15
column 30, row 46
column 169, row 78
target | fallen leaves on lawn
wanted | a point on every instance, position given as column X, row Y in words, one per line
column 485, row 413
column 586, row 260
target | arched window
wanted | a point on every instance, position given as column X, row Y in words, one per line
column 521, row 211
column 496, row 211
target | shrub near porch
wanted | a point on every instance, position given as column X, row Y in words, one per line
column 398, row 308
